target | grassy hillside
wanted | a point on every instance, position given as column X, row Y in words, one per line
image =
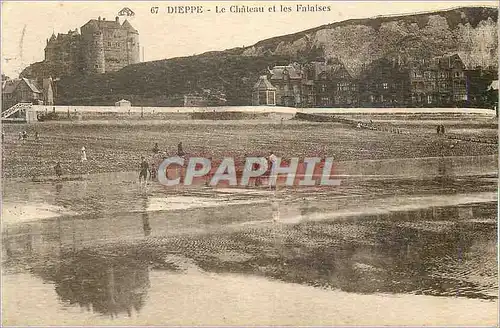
column 470, row 32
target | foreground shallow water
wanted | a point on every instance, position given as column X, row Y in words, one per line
column 415, row 252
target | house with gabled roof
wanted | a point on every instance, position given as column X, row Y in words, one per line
column 20, row 90
column 333, row 84
column 288, row 82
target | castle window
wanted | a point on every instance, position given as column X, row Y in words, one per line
column 385, row 85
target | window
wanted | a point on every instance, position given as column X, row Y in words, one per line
column 458, row 74
column 96, row 66
column 271, row 96
column 323, row 88
column 385, row 85
column 429, row 99
column 372, row 98
column 109, row 44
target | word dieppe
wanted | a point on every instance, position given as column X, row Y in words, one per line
column 293, row 172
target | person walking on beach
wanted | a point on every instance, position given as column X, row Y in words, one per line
column 153, row 171
column 155, row 148
column 270, row 163
column 84, row 155
column 144, row 171
column 58, row 170
column 180, row 151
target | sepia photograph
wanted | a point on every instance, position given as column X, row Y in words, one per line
column 249, row 163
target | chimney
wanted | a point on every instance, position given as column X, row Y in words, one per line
column 117, row 19
column 99, row 19
column 103, row 19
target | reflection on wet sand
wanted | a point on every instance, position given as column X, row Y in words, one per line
column 104, row 285
column 145, row 215
column 420, row 251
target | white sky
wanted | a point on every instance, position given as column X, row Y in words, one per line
column 172, row 35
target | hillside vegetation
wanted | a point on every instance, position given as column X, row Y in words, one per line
column 469, row 31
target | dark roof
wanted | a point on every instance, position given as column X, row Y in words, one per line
column 31, row 84
column 277, row 72
column 332, row 70
column 440, row 62
column 11, row 85
column 263, row 84
column 128, row 26
column 98, row 24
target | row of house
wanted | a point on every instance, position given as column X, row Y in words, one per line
column 28, row 91
column 441, row 81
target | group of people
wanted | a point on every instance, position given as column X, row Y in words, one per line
column 24, row 135
column 148, row 168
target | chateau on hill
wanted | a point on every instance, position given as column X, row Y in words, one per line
column 103, row 46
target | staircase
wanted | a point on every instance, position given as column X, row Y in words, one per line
column 16, row 108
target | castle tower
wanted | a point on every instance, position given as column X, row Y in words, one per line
column 93, row 47
column 50, row 51
column 133, row 48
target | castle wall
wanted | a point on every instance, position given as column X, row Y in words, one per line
column 133, row 50
column 115, row 48
column 65, row 52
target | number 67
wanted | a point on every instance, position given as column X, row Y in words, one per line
column 154, row 10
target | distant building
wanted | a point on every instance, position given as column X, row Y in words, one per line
column 123, row 103
column 20, row 90
column 438, row 81
column 264, row 93
column 102, row 46
column 288, row 82
column 384, row 83
column 329, row 84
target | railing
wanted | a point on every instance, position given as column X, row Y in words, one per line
column 17, row 107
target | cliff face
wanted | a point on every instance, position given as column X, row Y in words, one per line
column 471, row 32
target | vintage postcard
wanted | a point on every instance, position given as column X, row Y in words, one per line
column 266, row 163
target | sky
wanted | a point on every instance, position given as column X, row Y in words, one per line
column 27, row 25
